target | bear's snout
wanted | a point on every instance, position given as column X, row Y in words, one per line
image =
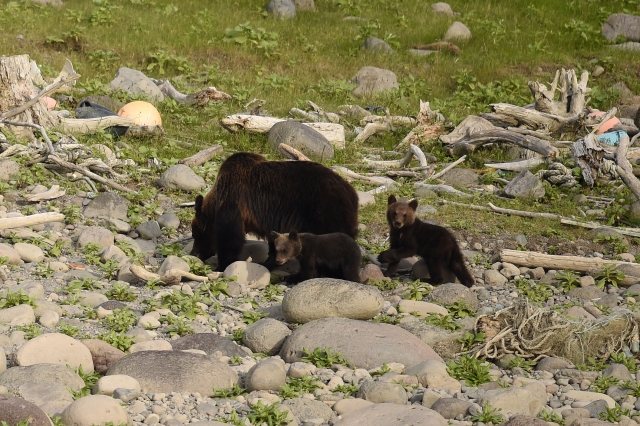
column 397, row 224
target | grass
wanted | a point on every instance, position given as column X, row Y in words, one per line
column 235, row 47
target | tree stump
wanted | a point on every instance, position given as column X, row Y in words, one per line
column 17, row 88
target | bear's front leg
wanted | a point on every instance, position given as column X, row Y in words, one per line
column 270, row 263
column 391, row 269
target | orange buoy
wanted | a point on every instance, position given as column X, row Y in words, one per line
column 142, row 113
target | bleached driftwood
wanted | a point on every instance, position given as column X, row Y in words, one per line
column 375, row 180
column 67, row 165
column 25, row 234
column 517, row 165
column 414, row 151
column 624, row 168
column 396, row 120
column 316, row 114
column 470, row 126
column 470, row 142
column 573, row 263
column 572, row 99
column 34, row 219
column 202, row 156
column 430, row 126
column 592, row 225
column 536, row 120
column 261, row 124
column 52, row 193
column 523, row 213
column 449, row 167
column 203, row 97
column 291, row 153
column 170, row 277
column 589, row 156
column 91, row 125
column 465, row 205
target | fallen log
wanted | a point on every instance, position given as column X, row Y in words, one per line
column 52, row 193
column 170, row 277
column 210, row 94
column 624, row 168
column 536, row 120
column 202, row 156
column 34, row 219
column 517, row 165
column 533, row 259
column 260, row 124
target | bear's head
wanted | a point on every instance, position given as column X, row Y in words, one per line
column 287, row 246
column 204, row 242
column 399, row 213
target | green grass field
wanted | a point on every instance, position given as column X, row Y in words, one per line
column 236, row 47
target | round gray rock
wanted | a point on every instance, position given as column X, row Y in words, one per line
column 97, row 235
column 301, row 137
column 13, row 257
column 269, row 374
column 304, row 409
column 107, row 204
column 181, row 177
column 55, row 348
column 175, row 371
column 266, row 335
column 379, row 392
column 8, row 169
column 525, row 185
column 392, row 415
column 95, row 410
column 450, row 408
column 149, row 230
column 329, row 297
column 41, row 393
column 375, row 44
column 372, row 80
column 457, row 32
column 14, row 410
column 363, row 344
column 14, row 377
column 169, row 220
column 281, row 9
column 103, row 354
column 442, row 9
column 448, row 294
column 135, row 82
column 209, row 343
column 461, row 177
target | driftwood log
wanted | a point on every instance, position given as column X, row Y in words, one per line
column 533, row 259
column 572, row 101
column 470, row 142
column 261, row 124
column 203, row 97
column 589, row 155
column 202, row 156
column 34, row 219
column 624, row 168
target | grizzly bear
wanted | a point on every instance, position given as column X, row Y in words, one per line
column 408, row 236
column 334, row 255
column 253, row 195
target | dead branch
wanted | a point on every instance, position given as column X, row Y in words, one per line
column 38, row 127
column 291, row 153
column 414, row 151
column 210, row 94
column 449, row 167
column 44, row 92
column 440, row 46
column 50, row 194
column 34, row 219
column 375, row 180
column 202, row 156
column 67, row 165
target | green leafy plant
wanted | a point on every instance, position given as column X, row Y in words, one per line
column 602, row 383
column 231, row 392
column 15, row 298
column 197, row 266
column 169, row 249
column 237, row 335
column 120, row 321
column 71, row 213
column 618, row 243
column 384, row 284
column 489, row 415
column 551, row 416
column 323, row 357
column 386, row 319
column 272, row 292
column 269, row 414
column 521, row 363
column 178, row 326
column 235, row 360
column 346, row 389
column 614, row 415
column 609, row 276
column 68, row 329
column 568, row 280
column 621, row 358
column 59, row 246
column 416, row 291
column 536, row 293
column 295, row 388
column 30, row 330
column 592, row 364
column 258, row 38
column 181, row 304
column 121, row 293
column 460, row 309
column 470, row 369
column 250, row 317
column 117, row 340
column 43, row 270
column 443, row 321
column 469, row 340
column 92, row 253
column 110, row 268
column 381, row 371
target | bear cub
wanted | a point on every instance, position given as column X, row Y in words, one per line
column 408, row 236
column 334, row 255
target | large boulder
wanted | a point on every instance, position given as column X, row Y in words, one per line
column 371, row 80
column 136, row 83
column 175, row 371
column 181, row 177
column 301, row 137
column 15, row 377
column 107, row 204
column 392, row 415
column 363, row 344
column 95, row 410
column 281, row 9
column 55, row 348
column 209, row 343
column 329, row 297
column 527, row 400
column 525, row 185
column 457, row 32
column 14, row 410
column 621, row 25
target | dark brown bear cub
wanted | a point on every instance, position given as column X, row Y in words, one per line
column 408, row 236
column 334, row 255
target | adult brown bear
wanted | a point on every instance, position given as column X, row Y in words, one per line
column 254, row 195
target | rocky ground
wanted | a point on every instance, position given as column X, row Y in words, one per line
column 87, row 341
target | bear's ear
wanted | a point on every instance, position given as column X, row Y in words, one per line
column 199, row 201
column 413, row 204
column 391, row 200
column 274, row 235
column 293, row 235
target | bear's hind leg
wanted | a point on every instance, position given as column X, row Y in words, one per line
column 434, row 265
